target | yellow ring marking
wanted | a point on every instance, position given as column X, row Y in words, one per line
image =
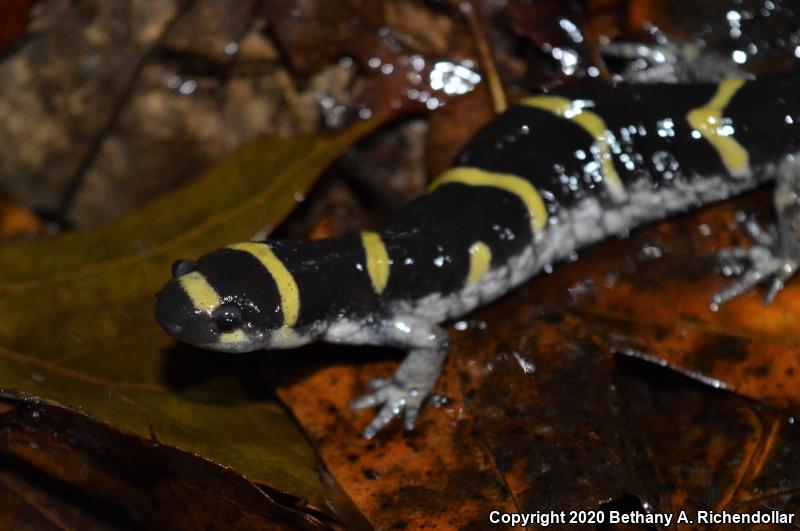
column 204, row 297
column 287, row 287
column 709, row 122
column 592, row 124
column 480, row 256
column 510, row 183
column 233, row 337
column 377, row 260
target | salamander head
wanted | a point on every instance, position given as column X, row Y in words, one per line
column 225, row 301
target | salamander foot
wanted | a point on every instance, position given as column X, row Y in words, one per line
column 406, row 391
column 765, row 259
column 397, row 398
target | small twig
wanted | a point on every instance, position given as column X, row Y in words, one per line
column 290, row 95
column 755, row 461
column 485, row 57
column 153, row 437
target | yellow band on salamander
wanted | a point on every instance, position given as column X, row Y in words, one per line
column 518, row 186
column 204, row 297
column 377, row 260
column 480, row 256
column 709, row 122
column 593, row 124
column 287, row 287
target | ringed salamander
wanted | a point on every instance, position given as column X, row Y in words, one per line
column 554, row 173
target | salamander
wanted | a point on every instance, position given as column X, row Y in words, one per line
column 552, row 174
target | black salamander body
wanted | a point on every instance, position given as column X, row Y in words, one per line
column 552, row 174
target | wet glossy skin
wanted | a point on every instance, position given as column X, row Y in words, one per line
column 553, row 174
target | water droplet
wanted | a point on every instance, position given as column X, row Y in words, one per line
column 571, row 29
column 651, row 251
column 528, row 367
column 403, row 327
column 188, row 87
column 174, row 82
column 432, row 103
column 453, row 78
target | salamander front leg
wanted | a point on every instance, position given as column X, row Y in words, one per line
column 406, row 391
column 776, row 253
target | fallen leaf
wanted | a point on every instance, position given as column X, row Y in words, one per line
column 133, row 482
column 80, row 330
column 106, row 107
column 398, row 44
column 17, row 222
column 13, row 21
column 762, row 29
column 453, row 126
column 650, row 297
column 544, row 415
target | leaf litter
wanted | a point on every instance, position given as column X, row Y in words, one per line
column 80, row 330
column 548, row 403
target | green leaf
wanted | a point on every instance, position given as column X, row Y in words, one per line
column 78, row 325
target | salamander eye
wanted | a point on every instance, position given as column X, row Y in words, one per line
column 181, row 267
column 227, row 317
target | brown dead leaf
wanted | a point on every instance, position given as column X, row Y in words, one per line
column 454, row 125
column 764, row 30
column 30, row 499
column 13, row 21
column 17, row 222
column 440, row 477
column 138, row 482
column 650, row 296
column 397, row 56
column 543, row 416
column 112, row 104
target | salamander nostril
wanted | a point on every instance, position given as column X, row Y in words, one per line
column 168, row 309
column 181, row 267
